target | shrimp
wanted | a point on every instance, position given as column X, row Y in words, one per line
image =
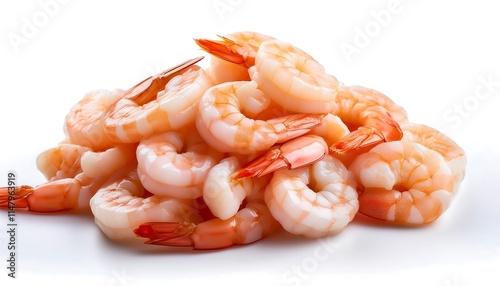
column 431, row 138
column 251, row 223
column 57, row 195
column 293, row 79
column 120, row 207
column 370, row 122
column 62, row 161
column 105, row 163
column 145, row 109
column 165, row 171
column 293, row 154
column 82, row 124
column 315, row 200
column 224, row 127
column 223, row 194
column 403, row 182
column 232, row 56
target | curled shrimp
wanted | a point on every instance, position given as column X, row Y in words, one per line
column 232, row 55
column 82, row 124
column 369, row 122
column 62, row 161
column 403, row 182
column 120, row 207
column 433, row 139
column 158, row 104
column 105, row 163
column 223, row 194
column 251, row 223
column 315, row 200
column 293, row 79
column 224, row 127
column 175, row 164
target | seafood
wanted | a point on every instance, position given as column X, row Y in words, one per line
column 232, row 55
column 105, row 163
column 146, row 109
column 120, row 207
column 62, row 161
column 315, row 200
column 403, row 182
column 223, row 126
column 431, row 138
column 293, row 79
column 370, row 123
column 293, row 154
column 175, row 163
column 83, row 122
column 251, row 223
column 57, row 195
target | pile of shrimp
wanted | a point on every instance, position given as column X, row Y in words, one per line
column 262, row 139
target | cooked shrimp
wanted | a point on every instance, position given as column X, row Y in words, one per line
column 293, row 79
column 158, row 104
column 58, row 195
column 315, row 200
column 82, row 125
column 403, row 182
column 223, row 194
column 293, row 154
column 232, row 56
column 105, row 163
column 175, row 163
column 224, row 127
column 431, row 138
column 369, row 122
column 249, row 224
column 119, row 208
column 62, row 161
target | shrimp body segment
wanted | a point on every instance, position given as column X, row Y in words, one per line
column 403, row 182
column 175, row 164
column 370, row 122
column 62, row 161
column 161, row 103
column 293, row 79
column 431, row 138
column 223, row 126
column 313, row 201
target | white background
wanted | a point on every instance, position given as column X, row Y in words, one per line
column 431, row 58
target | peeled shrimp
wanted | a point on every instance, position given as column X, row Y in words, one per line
column 431, row 138
column 105, row 163
column 293, row 79
column 175, row 163
column 369, row 122
column 313, row 201
column 224, row 127
column 251, row 223
column 403, row 182
column 232, row 55
column 119, row 208
column 62, row 161
column 158, row 104
column 82, row 125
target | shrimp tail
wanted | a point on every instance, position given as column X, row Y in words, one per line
column 386, row 129
column 17, row 200
column 294, row 125
column 166, row 233
column 293, row 154
column 221, row 49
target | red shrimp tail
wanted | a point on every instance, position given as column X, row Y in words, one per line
column 362, row 137
column 221, row 49
column 263, row 165
column 166, row 233
column 15, row 198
